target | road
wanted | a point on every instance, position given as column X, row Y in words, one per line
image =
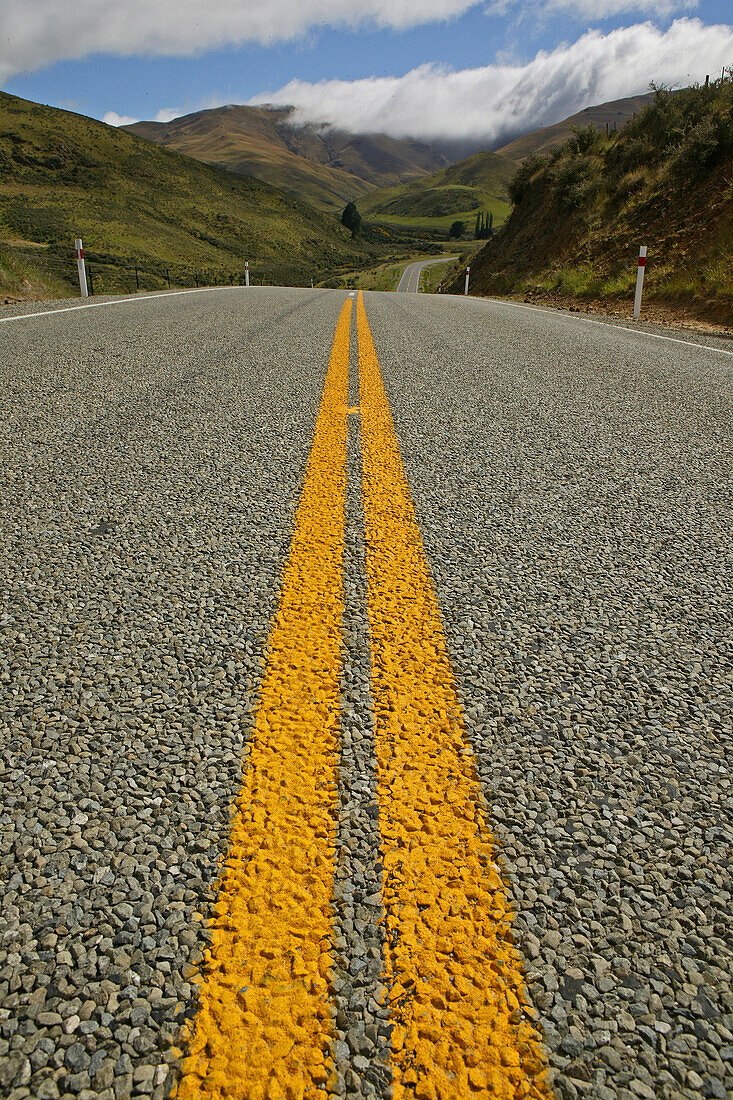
column 346, row 642
column 410, row 281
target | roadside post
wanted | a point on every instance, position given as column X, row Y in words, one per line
column 246, row 272
column 468, row 278
column 640, row 281
column 81, row 268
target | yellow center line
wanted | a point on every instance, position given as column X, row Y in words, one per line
column 264, row 1025
column 461, row 1023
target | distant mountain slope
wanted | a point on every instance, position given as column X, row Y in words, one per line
column 613, row 114
column 136, row 204
column 581, row 212
column 322, row 165
column 458, row 191
column 480, row 182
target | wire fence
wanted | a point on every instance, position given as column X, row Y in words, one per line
column 107, row 274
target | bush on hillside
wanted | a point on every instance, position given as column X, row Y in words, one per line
column 687, row 133
column 520, row 184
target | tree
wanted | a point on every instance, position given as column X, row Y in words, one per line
column 351, row 218
column 456, row 230
column 477, row 230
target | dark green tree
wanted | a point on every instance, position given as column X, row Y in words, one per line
column 477, row 230
column 351, row 218
column 456, row 231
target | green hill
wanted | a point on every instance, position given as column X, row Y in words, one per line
column 461, row 190
column 479, row 182
column 322, row 165
column 136, row 204
column 604, row 116
column 581, row 212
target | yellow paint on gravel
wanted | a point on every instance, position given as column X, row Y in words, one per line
column 264, row 1024
column 461, row 1023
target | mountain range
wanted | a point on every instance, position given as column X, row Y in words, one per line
column 322, row 165
column 403, row 183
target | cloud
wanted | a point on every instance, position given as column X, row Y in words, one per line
column 496, row 101
column 165, row 114
column 42, row 32
column 113, row 119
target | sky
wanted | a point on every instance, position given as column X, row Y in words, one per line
column 478, row 70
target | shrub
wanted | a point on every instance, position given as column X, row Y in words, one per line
column 520, row 184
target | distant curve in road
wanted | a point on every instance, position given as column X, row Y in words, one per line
column 410, row 281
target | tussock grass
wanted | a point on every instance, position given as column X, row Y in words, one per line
column 581, row 211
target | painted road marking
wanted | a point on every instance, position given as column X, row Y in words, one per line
column 117, row 302
column 462, row 1027
column 604, row 324
column 264, row 1026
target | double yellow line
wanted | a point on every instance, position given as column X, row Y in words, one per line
column 461, row 1027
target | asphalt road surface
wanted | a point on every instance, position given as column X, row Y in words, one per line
column 410, row 281
column 365, row 701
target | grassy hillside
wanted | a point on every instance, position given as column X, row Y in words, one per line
column 323, row 166
column 135, row 204
column 457, row 191
column 480, row 182
column 580, row 212
column 611, row 115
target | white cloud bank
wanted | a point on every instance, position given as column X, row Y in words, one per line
column 432, row 102
column 36, row 33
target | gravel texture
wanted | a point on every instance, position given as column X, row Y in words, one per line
column 361, row 1050
column 572, row 485
column 572, row 488
column 151, row 460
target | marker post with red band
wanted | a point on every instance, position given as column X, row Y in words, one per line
column 81, row 267
column 640, row 281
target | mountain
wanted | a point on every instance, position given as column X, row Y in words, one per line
column 581, row 212
column 479, row 182
column 458, row 191
column 322, row 165
column 611, row 115
column 137, row 205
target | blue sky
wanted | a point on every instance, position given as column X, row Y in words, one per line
column 140, row 72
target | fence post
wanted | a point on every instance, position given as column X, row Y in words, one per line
column 168, row 277
column 81, row 267
column 640, row 281
column 468, row 278
column 91, row 281
column 196, row 278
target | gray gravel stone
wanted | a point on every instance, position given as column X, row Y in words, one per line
column 572, row 485
column 151, row 460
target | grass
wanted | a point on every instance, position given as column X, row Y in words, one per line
column 383, row 276
column 462, row 190
column 580, row 212
column 136, row 204
column 433, row 276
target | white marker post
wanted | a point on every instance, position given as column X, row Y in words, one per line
column 468, row 278
column 246, row 272
column 640, row 281
column 81, row 267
